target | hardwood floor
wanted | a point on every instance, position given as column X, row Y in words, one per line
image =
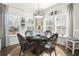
column 14, row 51
column 6, row 51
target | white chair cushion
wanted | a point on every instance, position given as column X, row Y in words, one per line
column 48, row 45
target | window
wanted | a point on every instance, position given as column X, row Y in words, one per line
column 13, row 25
column 61, row 25
column 56, row 12
column 23, row 23
column 30, row 24
column 50, row 24
column 57, row 24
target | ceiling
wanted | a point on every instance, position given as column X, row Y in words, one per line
column 41, row 5
column 31, row 6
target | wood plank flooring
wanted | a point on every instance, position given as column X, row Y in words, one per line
column 14, row 51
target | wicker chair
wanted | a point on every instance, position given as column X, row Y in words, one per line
column 49, row 46
column 25, row 44
column 48, row 32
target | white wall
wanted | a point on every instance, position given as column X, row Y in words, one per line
column 63, row 7
column 76, row 20
column 20, row 13
column 0, row 44
column 61, row 41
column 27, row 15
column 11, row 40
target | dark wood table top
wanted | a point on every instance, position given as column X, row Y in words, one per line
column 37, row 37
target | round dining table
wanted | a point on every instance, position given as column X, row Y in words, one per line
column 38, row 39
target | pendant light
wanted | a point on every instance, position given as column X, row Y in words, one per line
column 38, row 15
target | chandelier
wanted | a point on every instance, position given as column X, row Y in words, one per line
column 38, row 15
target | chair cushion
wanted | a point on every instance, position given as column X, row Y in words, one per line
column 48, row 45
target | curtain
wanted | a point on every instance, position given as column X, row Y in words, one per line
column 70, row 19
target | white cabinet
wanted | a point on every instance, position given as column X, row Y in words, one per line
column 61, row 41
column 0, row 44
column 12, row 40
